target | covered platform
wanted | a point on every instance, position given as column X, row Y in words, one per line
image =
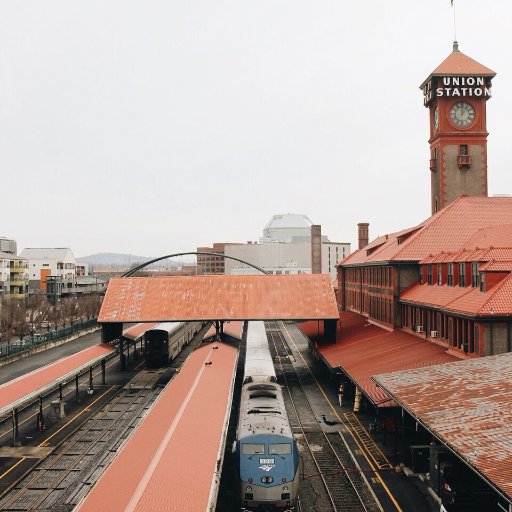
column 173, row 460
column 466, row 405
column 363, row 349
column 28, row 388
column 232, row 329
column 218, row 299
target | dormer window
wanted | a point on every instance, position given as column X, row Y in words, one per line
column 450, row 274
column 462, row 274
column 429, row 274
column 475, row 276
column 439, row 274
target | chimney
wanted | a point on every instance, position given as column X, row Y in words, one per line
column 316, row 249
column 362, row 233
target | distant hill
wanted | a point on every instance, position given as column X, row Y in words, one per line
column 117, row 261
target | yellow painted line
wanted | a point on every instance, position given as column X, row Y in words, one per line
column 363, row 451
column 76, row 416
column 84, row 379
column 12, row 467
column 45, row 442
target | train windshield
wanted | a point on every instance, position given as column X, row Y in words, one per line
column 279, row 448
column 253, row 449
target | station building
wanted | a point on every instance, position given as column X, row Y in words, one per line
column 438, row 297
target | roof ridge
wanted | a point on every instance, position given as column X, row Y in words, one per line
column 427, row 223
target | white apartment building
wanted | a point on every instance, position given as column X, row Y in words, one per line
column 13, row 275
column 45, row 262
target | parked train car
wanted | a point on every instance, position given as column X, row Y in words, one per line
column 267, row 454
column 165, row 340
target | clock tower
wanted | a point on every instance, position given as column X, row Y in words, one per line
column 455, row 94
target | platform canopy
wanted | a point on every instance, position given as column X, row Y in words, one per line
column 247, row 297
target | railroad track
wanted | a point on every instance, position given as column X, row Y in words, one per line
column 64, row 477
column 345, row 487
column 67, row 474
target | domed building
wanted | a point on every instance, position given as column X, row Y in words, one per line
column 291, row 244
column 287, row 228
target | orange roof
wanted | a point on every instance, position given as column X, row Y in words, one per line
column 494, row 236
column 260, row 297
column 136, row 331
column 170, row 461
column 497, row 266
column 467, row 405
column 448, row 230
column 39, row 381
column 363, row 350
column 457, row 63
column 468, row 300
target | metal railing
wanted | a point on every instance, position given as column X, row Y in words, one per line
column 18, row 346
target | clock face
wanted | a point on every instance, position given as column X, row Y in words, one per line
column 462, row 114
column 436, row 118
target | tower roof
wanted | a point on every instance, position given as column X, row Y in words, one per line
column 458, row 63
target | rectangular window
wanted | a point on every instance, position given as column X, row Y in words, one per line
column 450, row 274
column 279, row 448
column 439, row 273
column 464, row 158
column 253, row 449
column 475, row 276
column 462, row 274
column 429, row 274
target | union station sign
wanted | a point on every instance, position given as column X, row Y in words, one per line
column 456, row 86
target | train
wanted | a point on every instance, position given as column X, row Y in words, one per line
column 164, row 341
column 266, row 451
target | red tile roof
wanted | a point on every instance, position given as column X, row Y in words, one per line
column 457, row 63
column 448, row 230
column 495, row 236
column 497, row 266
column 467, row 300
column 260, row 297
column 170, row 461
column 467, row 406
column 33, row 383
column 363, row 350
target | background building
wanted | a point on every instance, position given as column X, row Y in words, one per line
column 58, row 263
column 291, row 244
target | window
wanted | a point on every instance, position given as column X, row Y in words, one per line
column 475, row 276
column 279, row 449
column 429, row 274
column 439, row 274
column 464, row 158
column 253, row 449
column 450, row 274
column 462, row 274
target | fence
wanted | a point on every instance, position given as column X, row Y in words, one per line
column 16, row 347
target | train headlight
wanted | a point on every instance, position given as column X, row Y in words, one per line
column 270, row 479
column 250, row 479
column 283, row 480
column 248, row 489
column 263, row 479
column 285, row 488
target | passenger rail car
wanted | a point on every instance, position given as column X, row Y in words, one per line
column 267, row 454
column 164, row 341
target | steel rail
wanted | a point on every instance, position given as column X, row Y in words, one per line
column 328, row 463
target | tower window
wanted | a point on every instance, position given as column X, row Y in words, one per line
column 464, row 158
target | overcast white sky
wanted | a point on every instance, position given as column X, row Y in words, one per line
column 156, row 127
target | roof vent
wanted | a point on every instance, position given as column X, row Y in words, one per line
column 455, row 46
